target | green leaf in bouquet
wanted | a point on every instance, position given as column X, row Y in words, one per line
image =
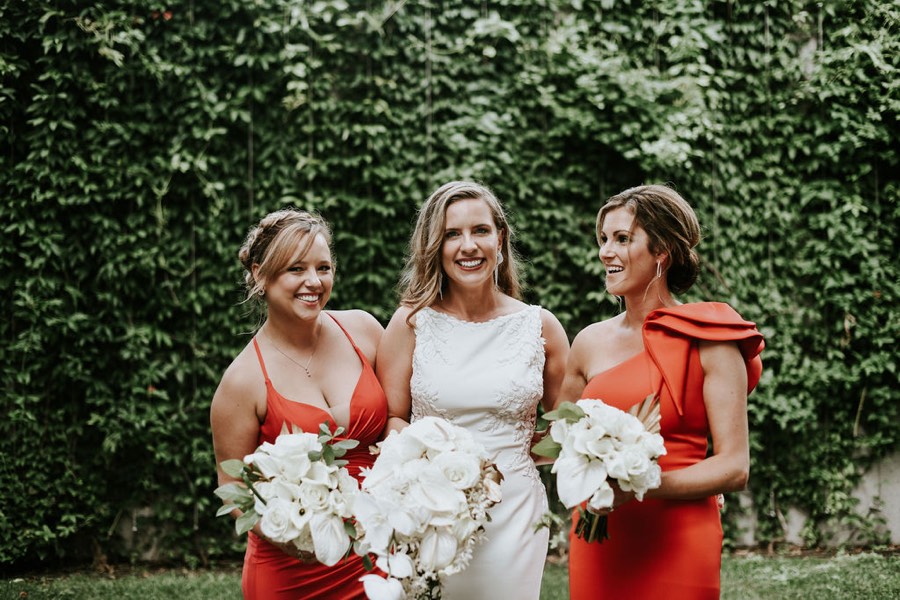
column 245, row 522
column 341, row 463
column 566, row 411
column 232, row 492
column 316, row 454
column 233, row 467
column 346, row 444
column 225, row 509
column 328, row 454
column 350, row 529
column 367, row 562
column 547, row 447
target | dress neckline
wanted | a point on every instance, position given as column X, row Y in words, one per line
column 528, row 307
column 350, row 405
column 618, row 364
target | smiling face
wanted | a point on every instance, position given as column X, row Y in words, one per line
column 302, row 288
column 471, row 242
column 625, row 252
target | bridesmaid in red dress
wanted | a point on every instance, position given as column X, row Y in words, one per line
column 304, row 366
column 702, row 359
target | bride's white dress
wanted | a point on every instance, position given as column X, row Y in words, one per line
column 488, row 378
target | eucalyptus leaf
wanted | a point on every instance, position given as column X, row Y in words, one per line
column 233, row 467
column 245, row 522
column 547, row 447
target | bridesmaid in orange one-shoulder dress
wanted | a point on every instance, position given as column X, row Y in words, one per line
column 304, row 367
column 701, row 359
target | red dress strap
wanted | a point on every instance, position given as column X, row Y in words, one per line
column 669, row 334
column 350, row 339
column 262, row 364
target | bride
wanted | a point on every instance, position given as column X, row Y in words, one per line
column 463, row 347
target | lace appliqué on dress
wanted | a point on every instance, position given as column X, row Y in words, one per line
column 487, row 377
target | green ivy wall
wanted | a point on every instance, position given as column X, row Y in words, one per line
column 140, row 141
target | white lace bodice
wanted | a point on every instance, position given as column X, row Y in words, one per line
column 486, row 377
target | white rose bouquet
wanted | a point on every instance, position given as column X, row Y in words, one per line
column 422, row 508
column 298, row 491
column 594, row 443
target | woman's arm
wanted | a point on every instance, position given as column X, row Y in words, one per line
column 575, row 377
column 235, row 414
column 725, row 398
column 235, row 418
column 394, row 368
column 556, row 351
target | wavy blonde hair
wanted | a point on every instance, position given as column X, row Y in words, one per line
column 422, row 279
column 279, row 239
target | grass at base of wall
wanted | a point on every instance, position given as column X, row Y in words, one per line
column 748, row 577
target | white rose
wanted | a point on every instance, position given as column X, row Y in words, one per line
column 268, row 465
column 399, row 448
column 262, row 491
column 319, row 473
column 314, row 497
column 629, row 461
column 346, row 482
column 433, row 433
column 295, row 468
column 653, row 444
column 639, row 483
column 602, row 448
column 461, row 470
column 290, row 445
column 278, row 523
column 603, row 497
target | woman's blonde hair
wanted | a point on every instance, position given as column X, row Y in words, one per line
column 279, row 239
column 422, row 279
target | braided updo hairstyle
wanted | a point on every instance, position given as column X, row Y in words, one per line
column 279, row 239
column 670, row 224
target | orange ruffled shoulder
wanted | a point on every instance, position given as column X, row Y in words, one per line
column 669, row 334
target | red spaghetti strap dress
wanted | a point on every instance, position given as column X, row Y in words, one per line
column 664, row 548
column 269, row 573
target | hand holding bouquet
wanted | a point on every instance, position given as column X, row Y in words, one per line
column 423, row 507
column 297, row 490
column 594, row 443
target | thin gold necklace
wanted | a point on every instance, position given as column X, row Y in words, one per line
column 284, row 354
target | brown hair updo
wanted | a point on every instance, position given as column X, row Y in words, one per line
column 670, row 224
column 279, row 239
